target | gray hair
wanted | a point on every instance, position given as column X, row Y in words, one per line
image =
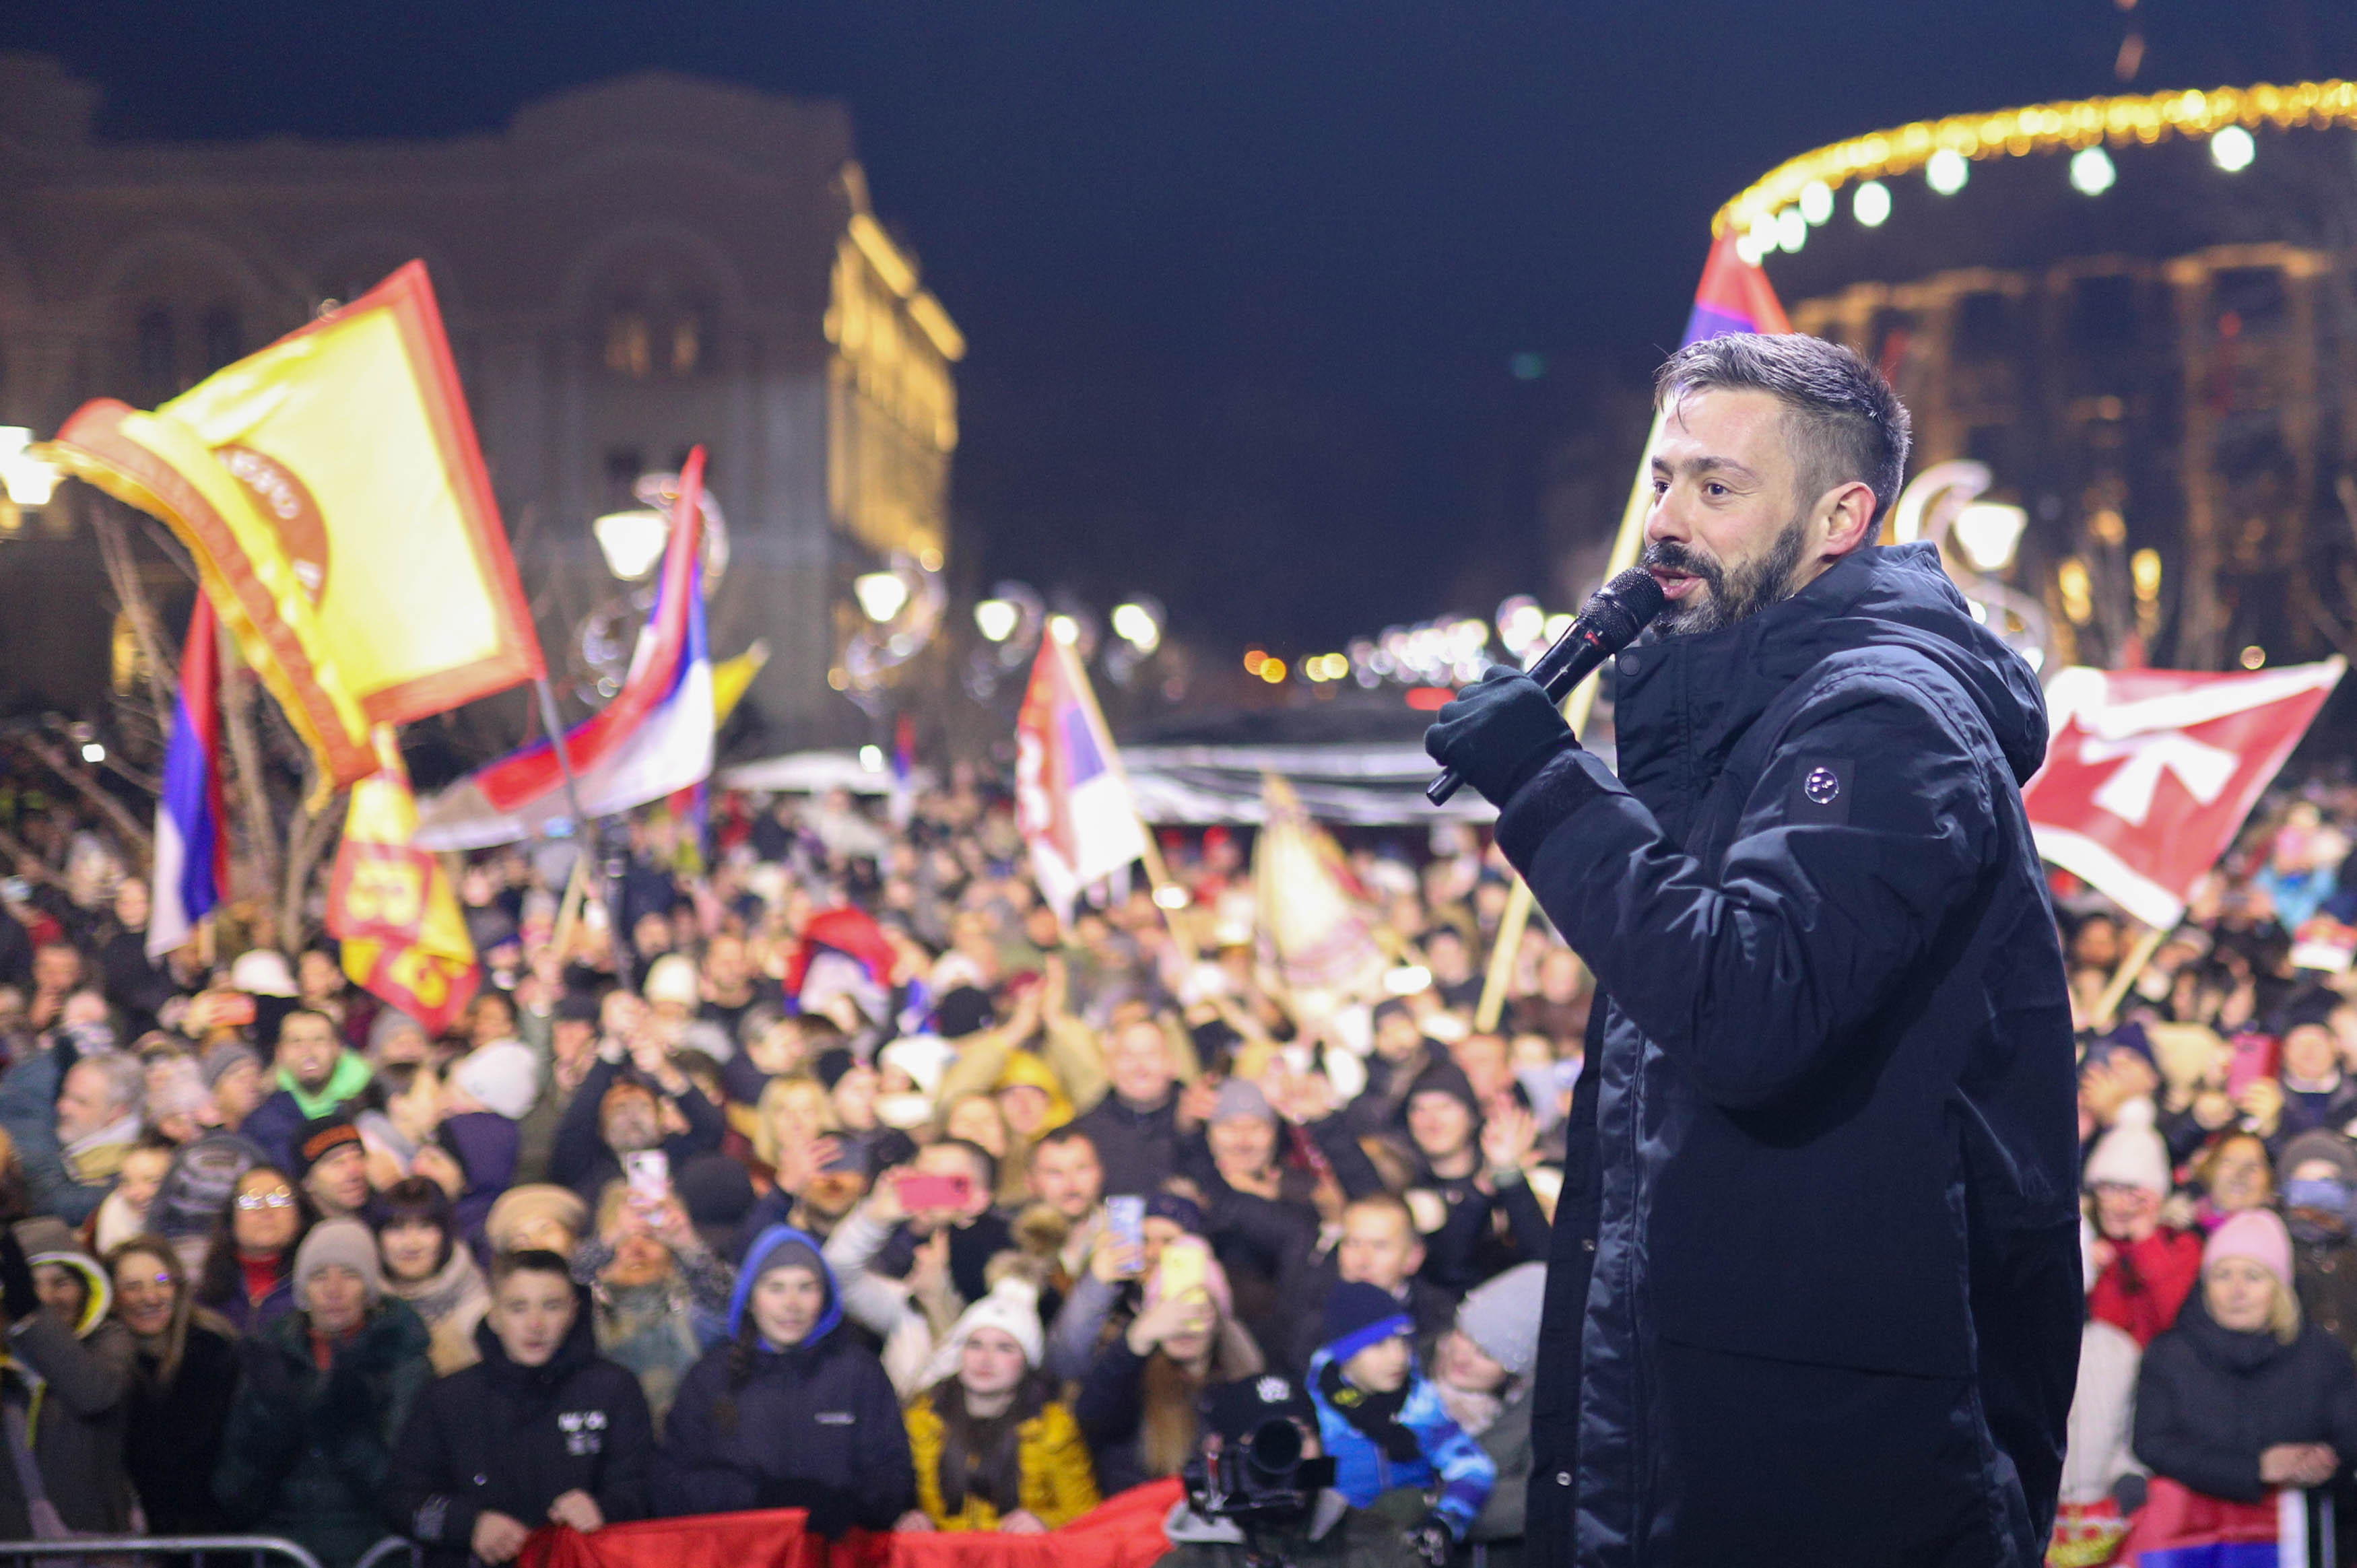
column 127, row 1080
column 1845, row 422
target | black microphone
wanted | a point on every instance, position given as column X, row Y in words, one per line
column 1609, row 622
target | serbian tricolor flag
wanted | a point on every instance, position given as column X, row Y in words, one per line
column 2179, row 1528
column 191, row 829
column 653, row 739
column 902, row 804
column 1071, row 799
column 2149, row 773
column 1735, row 296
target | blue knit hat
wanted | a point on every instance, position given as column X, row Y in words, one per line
column 1358, row 1315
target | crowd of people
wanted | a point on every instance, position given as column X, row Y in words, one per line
column 820, row 1165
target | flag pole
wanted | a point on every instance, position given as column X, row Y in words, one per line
column 1511, row 921
column 1159, row 874
column 2107, row 1007
column 584, row 830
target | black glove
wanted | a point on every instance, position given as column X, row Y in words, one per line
column 1498, row 733
column 18, row 1298
column 1432, row 1539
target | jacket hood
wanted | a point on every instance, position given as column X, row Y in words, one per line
column 390, row 1335
column 577, row 1349
column 756, row 1257
column 1894, row 596
column 97, row 1293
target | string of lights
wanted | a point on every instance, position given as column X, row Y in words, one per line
column 1776, row 212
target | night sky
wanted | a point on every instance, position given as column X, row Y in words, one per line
column 1244, row 282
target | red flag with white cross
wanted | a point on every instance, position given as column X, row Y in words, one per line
column 2149, row 773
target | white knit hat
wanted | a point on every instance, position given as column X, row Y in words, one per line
column 1012, row 1307
column 503, row 1075
column 2131, row 1153
column 671, row 978
column 924, row 1058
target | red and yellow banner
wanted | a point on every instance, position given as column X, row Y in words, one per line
column 392, row 907
column 332, row 493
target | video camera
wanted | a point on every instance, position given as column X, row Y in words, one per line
column 1261, row 1482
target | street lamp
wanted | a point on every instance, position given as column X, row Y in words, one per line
column 881, row 594
column 631, row 541
column 997, row 620
column 1943, row 504
column 28, row 481
column 1987, row 533
column 1138, row 622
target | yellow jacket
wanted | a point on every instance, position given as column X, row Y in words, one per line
column 1058, row 1485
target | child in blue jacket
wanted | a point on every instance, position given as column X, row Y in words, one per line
column 1381, row 1419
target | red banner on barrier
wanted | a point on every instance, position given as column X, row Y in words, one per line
column 1125, row 1531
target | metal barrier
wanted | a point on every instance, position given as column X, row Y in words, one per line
column 258, row 1550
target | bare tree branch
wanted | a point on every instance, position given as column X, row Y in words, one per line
column 129, row 826
column 123, row 575
column 312, row 832
column 262, row 831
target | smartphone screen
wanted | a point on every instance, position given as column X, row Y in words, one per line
column 1125, row 1219
column 649, row 1172
column 918, row 1191
column 1180, row 1271
column 2254, row 1058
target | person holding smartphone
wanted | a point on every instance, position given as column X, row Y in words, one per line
column 941, row 1200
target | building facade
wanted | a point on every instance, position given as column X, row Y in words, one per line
column 627, row 270
column 2142, row 315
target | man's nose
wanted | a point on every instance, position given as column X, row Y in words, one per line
column 1663, row 521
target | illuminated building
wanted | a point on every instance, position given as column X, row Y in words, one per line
column 626, row 269
column 2139, row 312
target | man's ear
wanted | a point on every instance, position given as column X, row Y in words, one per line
column 1847, row 514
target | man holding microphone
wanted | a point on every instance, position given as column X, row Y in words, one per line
column 1814, row 1291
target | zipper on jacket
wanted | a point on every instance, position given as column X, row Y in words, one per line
column 1641, row 1505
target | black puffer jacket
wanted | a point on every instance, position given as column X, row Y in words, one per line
column 816, row 1426
column 305, row 1451
column 1833, row 1070
column 499, row 1438
column 2210, row 1401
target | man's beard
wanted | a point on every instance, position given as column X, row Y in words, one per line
column 1732, row 595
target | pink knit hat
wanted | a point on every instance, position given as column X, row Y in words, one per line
column 2255, row 1234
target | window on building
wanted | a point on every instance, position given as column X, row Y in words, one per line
column 160, row 360
column 224, row 337
column 2254, row 296
column 1983, row 325
column 1889, row 338
column 623, row 467
column 630, row 349
column 2103, row 313
column 1992, row 445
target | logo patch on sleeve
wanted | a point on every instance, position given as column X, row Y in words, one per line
column 1821, row 791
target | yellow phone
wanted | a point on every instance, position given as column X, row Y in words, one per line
column 1180, row 1272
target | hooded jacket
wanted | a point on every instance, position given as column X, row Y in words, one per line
column 499, row 1438
column 306, row 1451
column 815, row 1425
column 74, row 1385
column 1833, row 1072
column 1446, row 1458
